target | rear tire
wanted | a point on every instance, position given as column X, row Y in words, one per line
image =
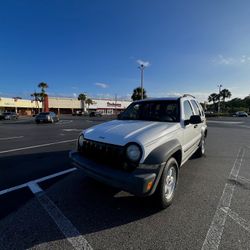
column 167, row 185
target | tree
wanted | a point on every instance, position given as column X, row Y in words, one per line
column 89, row 102
column 82, row 98
column 225, row 93
column 43, row 86
column 137, row 94
column 36, row 97
column 213, row 98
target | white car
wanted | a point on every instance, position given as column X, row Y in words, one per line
column 142, row 151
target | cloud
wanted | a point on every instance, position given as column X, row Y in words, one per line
column 102, row 85
column 222, row 60
column 145, row 63
column 74, row 94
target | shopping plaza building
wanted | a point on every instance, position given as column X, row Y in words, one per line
column 62, row 105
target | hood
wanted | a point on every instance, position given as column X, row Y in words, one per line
column 120, row 132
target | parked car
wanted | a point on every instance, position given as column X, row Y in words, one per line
column 1, row 116
column 240, row 114
column 95, row 114
column 143, row 150
column 46, row 117
column 77, row 113
column 10, row 116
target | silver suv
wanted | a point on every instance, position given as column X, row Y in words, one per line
column 143, row 150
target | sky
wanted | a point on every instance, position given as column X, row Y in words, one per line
column 95, row 47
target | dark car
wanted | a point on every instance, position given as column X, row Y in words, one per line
column 10, row 116
column 46, row 117
column 241, row 114
column 95, row 114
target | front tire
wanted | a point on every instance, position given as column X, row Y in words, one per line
column 167, row 185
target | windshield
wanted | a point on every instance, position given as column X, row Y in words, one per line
column 162, row 111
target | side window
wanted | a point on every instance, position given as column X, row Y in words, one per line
column 201, row 109
column 187, row 110
column 196, row 108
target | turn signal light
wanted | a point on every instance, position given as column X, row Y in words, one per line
column 149, row 186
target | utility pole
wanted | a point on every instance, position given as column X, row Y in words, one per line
column 219, row 86
column 142, row 67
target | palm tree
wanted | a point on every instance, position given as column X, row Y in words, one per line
column 36, row 99
column 89, row 102
column 225, row 93
column 213, row 98
column 137, row 94
column 82, row 98
column 43, row 86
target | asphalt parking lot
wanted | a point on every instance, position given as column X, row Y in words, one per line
column 45, row 203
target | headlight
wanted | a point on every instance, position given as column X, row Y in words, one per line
column 134, row 152
column 81, row 140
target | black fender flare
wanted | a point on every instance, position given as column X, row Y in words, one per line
column 163, row 152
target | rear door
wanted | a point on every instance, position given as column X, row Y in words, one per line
column 190, row 134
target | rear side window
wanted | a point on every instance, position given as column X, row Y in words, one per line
column 201, row 109
column 188, row 112
column 196, row 108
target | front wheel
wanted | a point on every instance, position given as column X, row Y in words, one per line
column 167, row 185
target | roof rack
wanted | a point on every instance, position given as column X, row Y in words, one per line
column 186, row 95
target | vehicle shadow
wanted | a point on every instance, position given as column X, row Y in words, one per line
column 89, row 205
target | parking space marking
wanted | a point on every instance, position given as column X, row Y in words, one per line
column 243, row 179
column 64, row 122
column 71, row 129
column 234, row 216
column 33, row 184
column 214, row 234
column 36, row 146
column 245, row 126
column 34, row 187
column 73, row 236
column 224, row 122
column 11, row 138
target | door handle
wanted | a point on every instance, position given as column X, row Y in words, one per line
column 196, row 125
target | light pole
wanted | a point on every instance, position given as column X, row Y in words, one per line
column 142, row 67
column 219, row 86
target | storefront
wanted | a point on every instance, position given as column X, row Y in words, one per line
column 62, row 105
column 20, row 106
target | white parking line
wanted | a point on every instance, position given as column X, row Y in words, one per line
column 63, row 223
column 31, row 184
column 224, row 122
column 214, row 234
column 64, row 122
column 71, row 129
column 11, row 138
column 234, row 216
column 245, row 126
column 36, row 146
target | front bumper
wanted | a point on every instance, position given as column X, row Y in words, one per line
column 135, row 183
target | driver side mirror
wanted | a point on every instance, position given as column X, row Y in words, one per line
column 195, row 119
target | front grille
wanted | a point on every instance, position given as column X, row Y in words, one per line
column 107, row 154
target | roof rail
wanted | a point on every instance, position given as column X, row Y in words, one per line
column 186, row 95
